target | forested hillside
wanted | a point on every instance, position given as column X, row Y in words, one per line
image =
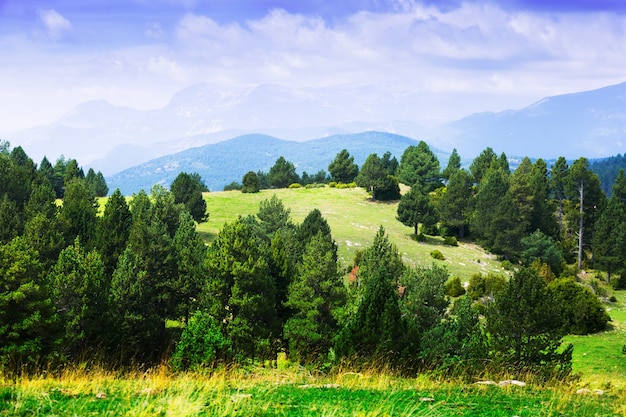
column 81, row 281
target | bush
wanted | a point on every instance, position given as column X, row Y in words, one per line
column 618, row 282
column 507, row 265
column 201, row 344
column 332, row 184
column 450, row 241
column 295, row 185
column 580, row 308
column 481, row 285
column 454, row 287
column 315, row 185
column 421, row 237
column 436, row 254
column 233, row 186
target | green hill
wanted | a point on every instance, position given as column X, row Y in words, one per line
column 354, row 219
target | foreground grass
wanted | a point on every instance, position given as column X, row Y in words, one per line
column 354, row 219
column 280, row 392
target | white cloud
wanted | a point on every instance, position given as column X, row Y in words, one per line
column 168, row 68
column 55, row 25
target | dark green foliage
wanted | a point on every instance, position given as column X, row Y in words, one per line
column 457, row 344
column 43, row 234
column 190, row 253
column 315, row 296
column 607, row 170
column 450, row 241
column 201, row 344
column 27, row 319
column 313, row 224
column 250, row 183
column 454, row 288
column 424, row 300
column 96, row 183
column 342, row 168
column 113, row 230
column 544, row 248
column 139, row 327
column 240, row 292
column 609, row 238
column 420, row 166
column 481, row 164
column 436, row 254
column 272, row 217
column 11, row 220
column 78, row 213
column 233, row 186
column 389, row 164
column 455, row 205
column 580, row 308
column 187, row 189
column 454, row 164
column 282, row 174
column 525, row 329
column 376, row 331
column 374, row 177
column 485, row 285
column 415, row 208
column 79, row 290
column 558, row 184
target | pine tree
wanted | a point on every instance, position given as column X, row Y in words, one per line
column 187, row 190
column 79, row 212
column 314, row 296
column 282, row 174
column 526, row 328
column 415, row 208
column 420, row 166
column 454, row 164
column 558, row 180
column 113, row 230
column 455, row 204
column 342, row 168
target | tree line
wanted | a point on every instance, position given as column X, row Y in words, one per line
column 78, row 284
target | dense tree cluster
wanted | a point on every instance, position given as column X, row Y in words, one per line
column 77, row 281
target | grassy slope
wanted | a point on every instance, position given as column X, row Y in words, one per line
column 354, row 220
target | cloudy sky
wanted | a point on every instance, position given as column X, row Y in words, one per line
column 481, row 55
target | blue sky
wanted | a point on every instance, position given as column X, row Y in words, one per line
column 480, row 55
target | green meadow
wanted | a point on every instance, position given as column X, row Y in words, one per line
column 354, row 219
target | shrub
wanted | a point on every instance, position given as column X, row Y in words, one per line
column 618, row 282
column 581, row 309
column 421, row 237
column 233, row 186
column 332, row 184
column 436, row 254
column 201, row 344
column 454, row 287
column 295, row 185
column 613, row 299
column 481, row 285
column 450, row 241
column 507, row 265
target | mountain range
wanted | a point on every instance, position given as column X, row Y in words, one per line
column 114, row 139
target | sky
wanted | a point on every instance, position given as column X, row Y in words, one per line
column 479, row 54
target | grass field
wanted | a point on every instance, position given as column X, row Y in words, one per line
column 290, row 392
column 354, row 220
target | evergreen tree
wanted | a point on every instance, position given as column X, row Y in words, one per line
column 420, row 166
column 46, row 170
column 314, row 296
column 240, row 292
column 583, row 187
column 454, row 164
column 415, row 208
column 376, row 332
column 455, row 204
column 250, row 183
column 539, row 246
column 389, row 164
column 139, row 326
column 282, row 174
column 342, row 168
column 558, row 186
column 526, row 328
column 11, row 219
column 113, row 230
column 272, row 216
column 78, row 213
column 187, row 190
column 190, row 253
column 481, row 164
column 581, row 310
column 27, row 315
column 609, row 238
column 79, row 289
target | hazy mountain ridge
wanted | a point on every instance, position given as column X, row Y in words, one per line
column 224, row 162
column 111, row 138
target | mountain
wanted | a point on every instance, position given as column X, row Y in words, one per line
column 111, row 138
column 590, row 124
column 224, row 162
